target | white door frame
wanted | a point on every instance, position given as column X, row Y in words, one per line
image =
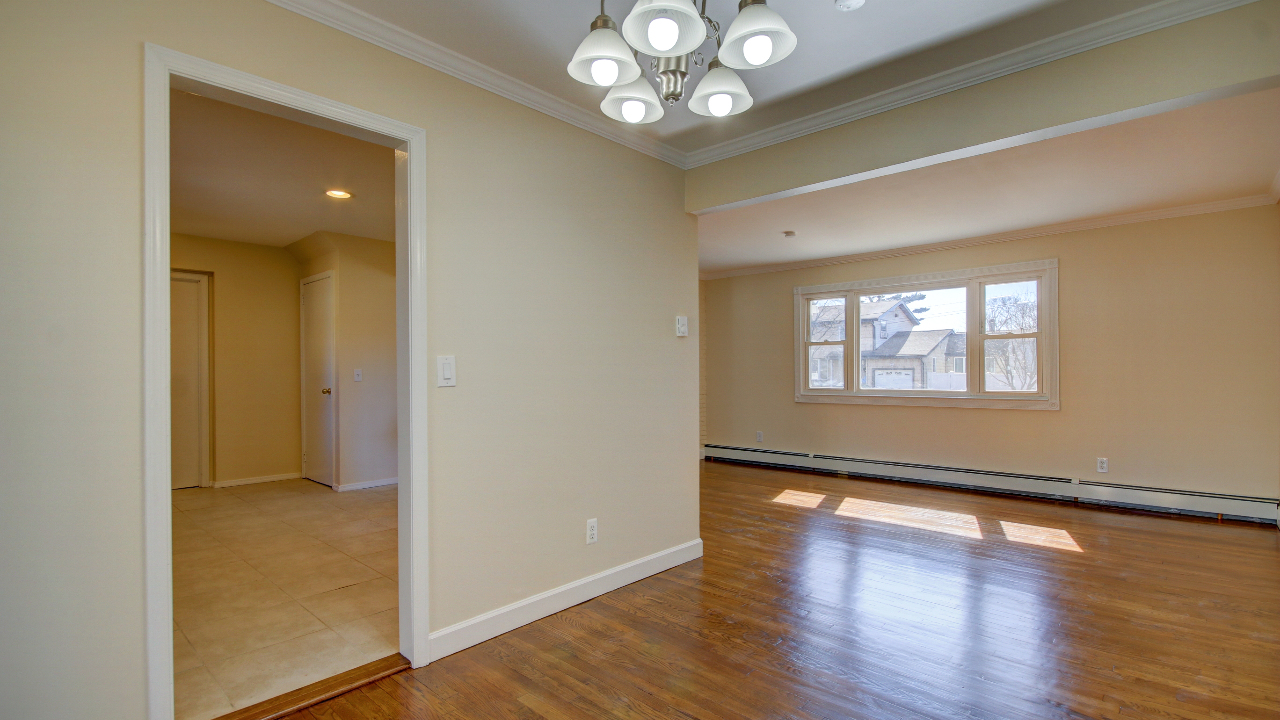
column 163, row 66
column 334, row 456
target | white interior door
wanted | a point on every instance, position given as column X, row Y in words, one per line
column 190, row 451
column 319, row 376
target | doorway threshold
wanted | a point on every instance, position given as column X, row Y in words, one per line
column 317, row 692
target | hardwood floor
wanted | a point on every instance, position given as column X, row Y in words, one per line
column 867, row 599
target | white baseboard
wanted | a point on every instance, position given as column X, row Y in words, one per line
column 366, row 484
column 255, row 480
column 505, row 619
column 1086, row 491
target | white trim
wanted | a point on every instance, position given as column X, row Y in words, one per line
column 335, row 452
column 255, row 480
column 411, row 314
column 340, row 16
column 1275, row 189
column 365, row 485
column 1169, row 500
column 1034, row 136
column 343, row 17
column 1041, row 231
column 1072, row 42
column 505, row 619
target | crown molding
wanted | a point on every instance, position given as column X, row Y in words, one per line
column 1121, row 27
column 340, row 16
column 1040, row 231
column 360, row 24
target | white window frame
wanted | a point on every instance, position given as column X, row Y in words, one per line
column 1045, row 272
column 963, row 362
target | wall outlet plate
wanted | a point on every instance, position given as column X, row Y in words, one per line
column 759, row 436
column 593, row 533
column 1102, row 464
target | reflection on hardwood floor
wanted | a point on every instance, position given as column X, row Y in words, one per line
column 915, row 602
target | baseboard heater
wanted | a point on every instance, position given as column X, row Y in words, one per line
column 1184, row 502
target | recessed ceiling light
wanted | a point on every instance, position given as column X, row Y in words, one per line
column 848, row 5
column 338, row 194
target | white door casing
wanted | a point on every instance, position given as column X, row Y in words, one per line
column 191, row 458
column 163, row 69
column 319, row 380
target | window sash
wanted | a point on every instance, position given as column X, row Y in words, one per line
column 808, row 343
column 983, row 336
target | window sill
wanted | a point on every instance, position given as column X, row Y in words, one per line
column 967, row 401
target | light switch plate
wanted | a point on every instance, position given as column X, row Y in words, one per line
column 359, row 375
column 682, row 326
column 446, row 371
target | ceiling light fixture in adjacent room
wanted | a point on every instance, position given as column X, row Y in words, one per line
column 670, row 32
column 342, row 194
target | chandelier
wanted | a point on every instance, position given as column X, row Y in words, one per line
column 670, row 32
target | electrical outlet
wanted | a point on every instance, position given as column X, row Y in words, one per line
column 592, row 533
column 1102, row 464
column 759, row 436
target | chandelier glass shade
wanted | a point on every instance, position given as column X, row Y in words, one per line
column 757, row 38
column 720, row 93
column 635, row 103
column 603, row 58
column 671, row 32
column 674, row 25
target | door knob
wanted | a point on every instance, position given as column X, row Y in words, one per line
column 327, row 391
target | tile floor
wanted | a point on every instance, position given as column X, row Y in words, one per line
column 278, row 585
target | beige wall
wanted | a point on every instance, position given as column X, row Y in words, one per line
column 365, row 275
column 257, row 415
column 550, row 250
column 1233, row 46
column 1205, row 418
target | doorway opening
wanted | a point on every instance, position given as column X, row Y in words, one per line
column 267, row 569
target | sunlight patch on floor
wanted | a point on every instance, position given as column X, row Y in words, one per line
column 914, row 517
column 1036, row 535
column 800, row 498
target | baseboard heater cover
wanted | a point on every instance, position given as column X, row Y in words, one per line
column 1184, row 502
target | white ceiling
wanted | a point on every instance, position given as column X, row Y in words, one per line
column 1217, row 151
column 239, row 174
column 845, row 66
column 534, row 41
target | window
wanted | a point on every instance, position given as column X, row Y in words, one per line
column 825, row 343
column 908, row 340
